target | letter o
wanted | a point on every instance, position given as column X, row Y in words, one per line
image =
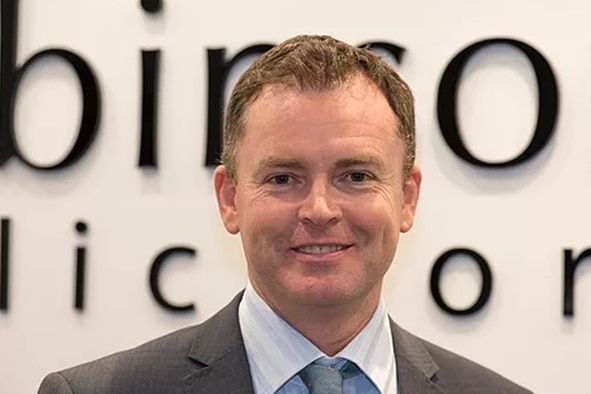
column 447, row 105
column 485, row 291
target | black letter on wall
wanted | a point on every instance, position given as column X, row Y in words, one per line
column 9, row 80
column 570, row 266
column 447, row 100
column 4, row 262
column 487, row 281
column 149, row 127
column 218, row 70
column 79, row 290
column 151, row 6
column 155, row 274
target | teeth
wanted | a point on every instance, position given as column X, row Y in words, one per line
column 320, row 249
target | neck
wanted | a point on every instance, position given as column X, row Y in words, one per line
column 330, row 327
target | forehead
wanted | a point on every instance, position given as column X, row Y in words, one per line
column 327, row 126
column 357, row 99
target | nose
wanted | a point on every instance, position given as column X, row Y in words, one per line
column 319, row 206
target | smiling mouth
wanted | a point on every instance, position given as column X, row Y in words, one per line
column 321, row 249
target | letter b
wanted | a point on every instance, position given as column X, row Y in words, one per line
column 10, row 76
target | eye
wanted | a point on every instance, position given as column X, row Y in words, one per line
column 357, row 177
column 281, row 179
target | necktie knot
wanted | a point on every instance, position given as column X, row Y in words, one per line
column 325, row 379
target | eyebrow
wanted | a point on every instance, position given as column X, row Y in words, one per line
column 277, row 162
column 282, row 162
column 365, row 160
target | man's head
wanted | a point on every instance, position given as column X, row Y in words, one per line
column 317, row 63
column 318, row 177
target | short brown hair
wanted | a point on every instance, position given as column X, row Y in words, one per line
column 317, row 63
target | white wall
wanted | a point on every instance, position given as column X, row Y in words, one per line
column 520, row 219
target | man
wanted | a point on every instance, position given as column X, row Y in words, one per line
column 319, row 180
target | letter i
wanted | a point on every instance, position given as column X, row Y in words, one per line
column 4, row 250
column 150, row 76
column 81, row 228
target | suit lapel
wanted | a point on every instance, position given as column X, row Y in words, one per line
column 415, row 367
column 221, row 365
column 219, row 356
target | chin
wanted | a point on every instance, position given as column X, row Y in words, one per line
column 325, row 295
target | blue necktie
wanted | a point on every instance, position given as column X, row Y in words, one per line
column 323, row 379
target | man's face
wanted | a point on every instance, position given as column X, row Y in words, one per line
column 319, row 198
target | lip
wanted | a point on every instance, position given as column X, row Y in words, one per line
column 320, row 248
column 321, row 251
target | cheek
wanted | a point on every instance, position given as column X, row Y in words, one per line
column 377, row 223
column 265, row 220
column 380, row 212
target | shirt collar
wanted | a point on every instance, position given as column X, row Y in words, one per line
column 276, row 351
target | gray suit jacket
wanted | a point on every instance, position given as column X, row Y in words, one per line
column 210, row 358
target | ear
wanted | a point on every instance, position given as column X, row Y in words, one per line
column 410, row 190
column 225, row 191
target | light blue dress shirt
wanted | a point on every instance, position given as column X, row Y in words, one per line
column 277, row 352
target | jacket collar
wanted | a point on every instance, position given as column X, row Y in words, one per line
column 222, row 365
column 416, row 369
column 219, row 355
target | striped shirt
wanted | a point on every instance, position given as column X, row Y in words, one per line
column 277, row 352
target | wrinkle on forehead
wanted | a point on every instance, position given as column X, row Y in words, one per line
column 358, row 92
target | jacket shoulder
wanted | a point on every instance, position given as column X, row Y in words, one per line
column 420, row 363
column 139, row 369
column 458, row 374
column 162, row 365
